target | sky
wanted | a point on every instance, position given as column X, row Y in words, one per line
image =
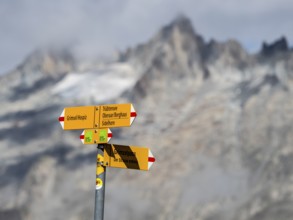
column 99, row 27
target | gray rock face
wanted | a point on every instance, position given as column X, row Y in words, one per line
column 40, row 69
column 280, row 45
column 218, row 120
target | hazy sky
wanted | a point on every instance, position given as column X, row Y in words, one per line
column 101, row 26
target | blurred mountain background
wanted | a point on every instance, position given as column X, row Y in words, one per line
column 217, row 118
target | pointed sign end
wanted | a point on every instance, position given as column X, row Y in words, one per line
column 109, row 134
column 151, row 159
column 82, row 137
column 133, row 114
column 61, row 119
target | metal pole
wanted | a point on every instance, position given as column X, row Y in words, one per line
column 100, row 184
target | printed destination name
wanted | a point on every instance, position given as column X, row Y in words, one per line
column 115, row 115
column 108, row 123
column 125, row 153
column 76, row 117
column 110, row 108
column 127, row 161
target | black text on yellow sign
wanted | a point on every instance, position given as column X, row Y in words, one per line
column 128, row 157
column 102, row 116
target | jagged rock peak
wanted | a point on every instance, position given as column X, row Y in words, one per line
column 176, row 41
column 230, row 52
column 181, row 22
column 280, row 45
column 49, row 60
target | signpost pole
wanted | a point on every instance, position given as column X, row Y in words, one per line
column 100, row 184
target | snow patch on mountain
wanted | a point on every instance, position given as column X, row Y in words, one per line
column 97, row 86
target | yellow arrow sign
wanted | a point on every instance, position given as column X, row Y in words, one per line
column 129, row 157
column 77, row 117
column 103, row 116
column 96, row 136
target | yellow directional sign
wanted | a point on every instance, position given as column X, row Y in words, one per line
column 96, row 136
column 116, row 115
column 129, row 157
column 103, row 116
column 78, row 117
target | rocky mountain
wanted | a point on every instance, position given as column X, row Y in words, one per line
column 218, row 120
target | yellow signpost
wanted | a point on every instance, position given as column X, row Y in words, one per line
column 96, row 136
column 103, row 116
column 129, row 157
column 96, row 121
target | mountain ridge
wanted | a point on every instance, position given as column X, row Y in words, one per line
column 218, row 120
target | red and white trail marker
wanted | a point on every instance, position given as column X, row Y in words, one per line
column 132, row 114
column 61, row 119
column 151, row 159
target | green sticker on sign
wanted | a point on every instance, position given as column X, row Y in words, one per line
column 88, row 136
column 103, row 135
